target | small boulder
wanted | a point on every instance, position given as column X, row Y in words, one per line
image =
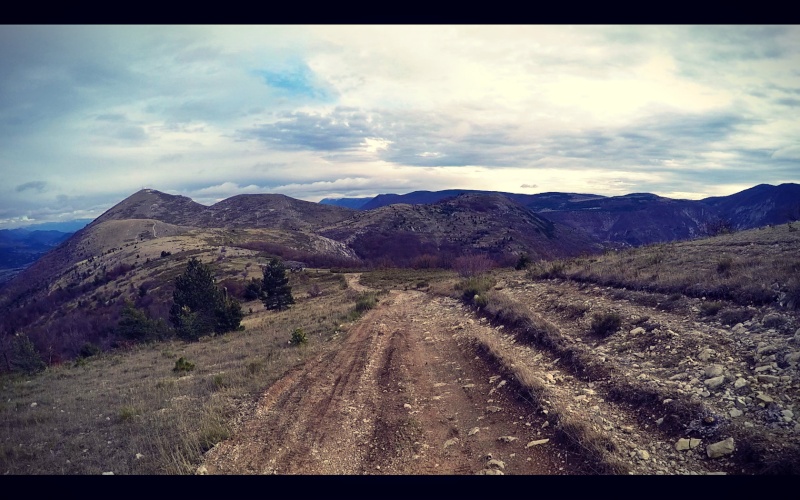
column 735, row 413
column 740, row 382
column 507, row 439
column 715, row 382
column 768, row 379
column 714, row 370
column 720, row 449
column 643, row 454
column 684, row 444
column 536, row 443
column 637, row 331
column 705, row 354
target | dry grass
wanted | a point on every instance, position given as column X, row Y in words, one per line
column 759, row 266
column 104, row 413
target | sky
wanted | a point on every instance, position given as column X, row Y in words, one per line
column 91, row 114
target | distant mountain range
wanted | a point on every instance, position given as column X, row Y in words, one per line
column 136, row 248
column 633, row 219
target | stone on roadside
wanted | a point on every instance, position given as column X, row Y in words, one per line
column 714, row 370
column 109, row 473
column 201, row 471
column 792, row 358
column 536, row 443
column 715, row 382
column 684, row 444
column 735, row 413
column 493, row 409
column 705, row 354
column 497, row 464
column 768, row 379
column 720, row 448
column 473, row 431
column 764, row 398
column 450, row 442
column 507, row 439
column 643, row 454
column 637, row 331
column 740, row 382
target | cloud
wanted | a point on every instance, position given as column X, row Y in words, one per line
column 34, row 185
column 529, row 186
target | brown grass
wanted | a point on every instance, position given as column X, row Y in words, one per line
column 97, row 416
column 741, row 267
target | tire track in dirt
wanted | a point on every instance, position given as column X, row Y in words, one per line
column 403, row 393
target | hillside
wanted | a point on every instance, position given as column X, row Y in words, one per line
column 491, row 224
column 656, row 360
column 640, row 218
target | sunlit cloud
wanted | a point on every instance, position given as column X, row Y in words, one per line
column 90, row 114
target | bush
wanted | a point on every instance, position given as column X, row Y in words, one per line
column 474, row 286
column 134, row 324
column 480, row 300
column 183, row 366
column 366, row 301
column 88, row 350
column 24, row 356
column 472, row 265
column 253, row 289
column 299, row 337
column 605, row 324
column 710, row 308
column 314, row 291
column 523, row 262
column 724, row 265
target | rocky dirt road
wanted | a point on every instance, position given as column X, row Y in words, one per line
column 404, row 393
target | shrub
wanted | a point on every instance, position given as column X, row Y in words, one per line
column 314, row 291
column 134, row 324
column 724, row 265
column 523, row 262
column 24, row 356
column 734, row 316
column 605, row 324
column 366, row 301
column 480, row 300
column 253, row 289
column 472, row 265
column 183, row 366
column 710, row 308
column 88, row 350
column 474, row 286
column 299, row 337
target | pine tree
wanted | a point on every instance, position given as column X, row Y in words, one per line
column 199, row 307
column 276, row 292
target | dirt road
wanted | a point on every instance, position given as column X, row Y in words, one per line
column 404, row 393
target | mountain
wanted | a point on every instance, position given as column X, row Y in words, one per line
column 486, row 223
column 74, row 293
column 354, row 203
column 758, row 206
column 639, row 218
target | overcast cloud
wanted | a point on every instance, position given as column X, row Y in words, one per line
column 91, row 114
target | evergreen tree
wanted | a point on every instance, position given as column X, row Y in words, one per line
column 135, row 324
column 276, row 292
column 199, row 307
